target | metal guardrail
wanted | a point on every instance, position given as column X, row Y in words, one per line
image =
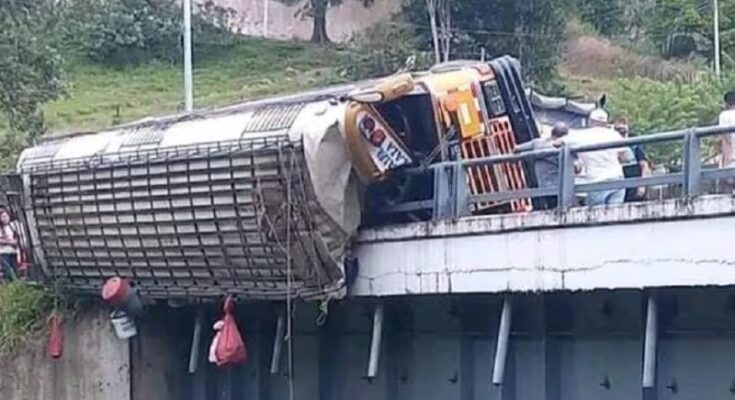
column 452, row 198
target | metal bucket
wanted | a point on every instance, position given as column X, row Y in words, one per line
column 123, row 324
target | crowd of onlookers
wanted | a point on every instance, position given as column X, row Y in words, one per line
column 608, row 164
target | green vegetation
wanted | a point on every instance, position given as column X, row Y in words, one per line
column 384, row 49
column 532, row 31
column 121, row 57
column 30, row 70
column 125, row 32
column 24, row 310
column 99, row 96
column 654, row 106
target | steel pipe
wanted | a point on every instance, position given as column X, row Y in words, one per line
column 278, row 344
column 196, row 341
column 650, row 344
column 377, row 338
column 501, row 350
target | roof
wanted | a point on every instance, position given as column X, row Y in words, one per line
column 559, row 103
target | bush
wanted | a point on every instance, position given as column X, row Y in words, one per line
column 23, row 310
column 382, row 50
column 120, row 32
column 654, row 106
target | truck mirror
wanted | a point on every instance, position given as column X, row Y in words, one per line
column 368, row 96
column 387, row 90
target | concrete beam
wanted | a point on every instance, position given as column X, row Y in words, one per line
column 626, row 247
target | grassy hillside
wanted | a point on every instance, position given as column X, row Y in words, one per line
column 101, row 96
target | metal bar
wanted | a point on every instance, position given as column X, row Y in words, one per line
column 39, row 256
column 188, row 81
column 410, row 206
column 716, row 29
column 714, row 131
column 377, row 338
column 722, row 173
column 650, row 343
column 692, row 166
column 164, row 155
column 583, row 188
column 196, row 341
column 501, row 349
column 638, row 140
column 461, row 192
column 278, row 344
column 566, row 179
column 443, row 196
column 514, row 194
column 657, row 180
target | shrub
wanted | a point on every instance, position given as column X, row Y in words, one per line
column 120, row 32
column 654, row 106
column 23, row 310
column 382, row 50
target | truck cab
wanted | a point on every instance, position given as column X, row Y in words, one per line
column 462, row 110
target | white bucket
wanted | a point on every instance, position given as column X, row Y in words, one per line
column 123, row 324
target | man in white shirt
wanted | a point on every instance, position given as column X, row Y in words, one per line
column 727, row 118
column 601, row 165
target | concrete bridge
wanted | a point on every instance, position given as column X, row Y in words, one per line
column 680, row 241
column 633, row 301
column 670, row 243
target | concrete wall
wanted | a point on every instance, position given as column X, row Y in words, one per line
column 95, row 365
column 342, row 20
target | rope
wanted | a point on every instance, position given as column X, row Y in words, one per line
column 323, row 311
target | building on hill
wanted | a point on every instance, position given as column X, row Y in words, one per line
column 285, row 23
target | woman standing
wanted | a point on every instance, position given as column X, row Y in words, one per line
column 8, row 246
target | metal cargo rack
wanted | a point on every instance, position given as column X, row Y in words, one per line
column 235, row 217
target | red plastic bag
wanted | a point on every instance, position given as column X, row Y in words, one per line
column 55, row 345
column 230, row 348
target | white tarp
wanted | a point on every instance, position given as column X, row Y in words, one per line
column 328, row 160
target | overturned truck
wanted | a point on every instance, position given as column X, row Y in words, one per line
column 261, row 199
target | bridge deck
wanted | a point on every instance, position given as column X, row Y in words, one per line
column 655, row 244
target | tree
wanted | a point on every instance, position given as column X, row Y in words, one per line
column 317, row 11
column 440, row 22
column 606, row 16
column 30, row 69
column 684, row 28
column 532, row 30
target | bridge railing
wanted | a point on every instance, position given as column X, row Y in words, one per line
column 452, row 197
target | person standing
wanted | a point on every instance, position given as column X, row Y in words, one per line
column 546, row 168
column 600, row 165
column 639, row 165
column 8, row 246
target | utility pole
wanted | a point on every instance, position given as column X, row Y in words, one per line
column 265, row 18
column 717, row 37
column 188, row 84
